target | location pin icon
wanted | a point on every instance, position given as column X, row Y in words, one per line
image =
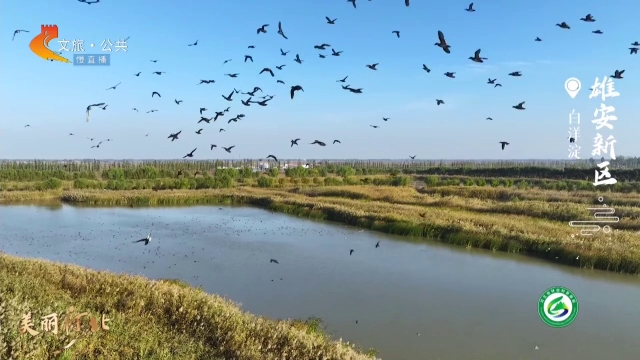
column 572, row 85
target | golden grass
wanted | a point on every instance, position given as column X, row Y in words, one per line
column 458, row 224
column 149, row 319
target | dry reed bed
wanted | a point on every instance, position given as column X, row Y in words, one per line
column 556, row 211
column 149, row 319
column 513, row 233
column 501, row 193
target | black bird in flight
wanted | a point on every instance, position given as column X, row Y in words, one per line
column 319, row 143
column 337, row 141
column 199, row 132
column 489, row 118
column 228, row 149
column 297, row 59
column 221, row 130
column 159, row 72
column 248, row 57
column 138, row 74
column 70, row 134
column 262, row 29
column 476, row 57
column 496, row 85
column 202, row 118
column 335, row 53
column 443, row 43
column 91, row 106
column 227, row 109
column 146, row 240
column 572, row 140
column 272, row 157
column 151, row 111
column 283, row 53
column 27, row 125
column 397, row 33
column 228, row 98
column 450, row 75
column 105, row 107
column 177, row 101
column 281, row 66
column 213, row 145
column 251, row 47
column 154, row 61
column 633, row 50
column 206, row 82
column 374, row 126
column 194, row 44
column 504, row 143
column 155, row 93
column 135, row 109
column 280, row 30
column 218, row 114
column 18, row 32
column 515, row 73
column 406, row 2
column 378, row 243
column 491, row 81
column 190, row 155
column 226, row 61
column 262, row 103
column 352, row 2
column 355, row 91
column 321, row 47
column 413, row 157
column 351, row 252
column 538, row 39
column 425, row 68
column 439, row 102
column 519, row 106
column 329, row 21
column 267, row 70
column 174, row 136
column 617, row 74
column 294, row 89
column 343, row 80
column 563, row 25
column 246, row 102
column 597, row 32
column 386, row 119
column 114, row 86
column 588, row 18
column 202, row 110
column 470, row 8
column 274, row 261
column 373, row 66
column 294, row 142
column 280, row 82
column 232, row 75
column 635, row 43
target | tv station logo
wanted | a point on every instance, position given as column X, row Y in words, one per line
column 40, row 46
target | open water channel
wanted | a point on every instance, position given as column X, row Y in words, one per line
column 410, row 300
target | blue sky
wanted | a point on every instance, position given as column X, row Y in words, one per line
column 52, row 96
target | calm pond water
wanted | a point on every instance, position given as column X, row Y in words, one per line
column 464, row 304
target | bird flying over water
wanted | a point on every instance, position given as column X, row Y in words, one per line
column 146, row 240
column 100, row 104
column 114, row 86
column 378, row 244
column 18, row 32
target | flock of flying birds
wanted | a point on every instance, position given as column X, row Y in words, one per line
column 264, row 99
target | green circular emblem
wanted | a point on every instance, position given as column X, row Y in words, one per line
column 558, row 307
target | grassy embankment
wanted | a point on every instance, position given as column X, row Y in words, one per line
column 148, row 320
